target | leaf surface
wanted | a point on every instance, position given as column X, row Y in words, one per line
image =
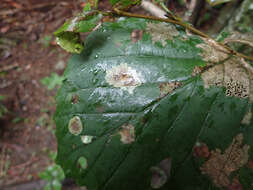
column 146, row 119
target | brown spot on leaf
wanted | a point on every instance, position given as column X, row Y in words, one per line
column 75, row 125
column 250, row 164
column 74, row 99
column 136, row 35
column 108, row 19
column 197, row 70
column 231, row 75
column 220, row 166
column 235, row 185
column 201, row 150
column 160, row 173
column 127, row 134
column 168, row 87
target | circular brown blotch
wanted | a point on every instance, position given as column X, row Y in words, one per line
column 75, row 126
column 74, row 99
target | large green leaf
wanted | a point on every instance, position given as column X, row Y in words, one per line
column 134, row 112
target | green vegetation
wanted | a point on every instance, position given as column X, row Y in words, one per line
column 52, row 81
column 53, row 175
column 146, row 105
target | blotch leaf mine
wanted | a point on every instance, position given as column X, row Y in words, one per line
column 127, row 134
column 220, row 165
column 75, row 125
column 124, row 77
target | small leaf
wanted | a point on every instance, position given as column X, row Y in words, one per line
column 51, row 81
column 68, row 37
column 87, row 7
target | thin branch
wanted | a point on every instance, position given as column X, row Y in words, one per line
column 168, row 20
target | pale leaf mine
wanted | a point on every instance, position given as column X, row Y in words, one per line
column 232, row 76
column 160, row 32
column 220, row 165
column 124, row 77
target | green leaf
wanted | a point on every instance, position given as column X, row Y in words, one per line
column 52, row 81
column 87, row 7
column 68, row 37
column 161, row 109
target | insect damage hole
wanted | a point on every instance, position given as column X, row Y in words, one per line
column 75, row 125
column 124, row 77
